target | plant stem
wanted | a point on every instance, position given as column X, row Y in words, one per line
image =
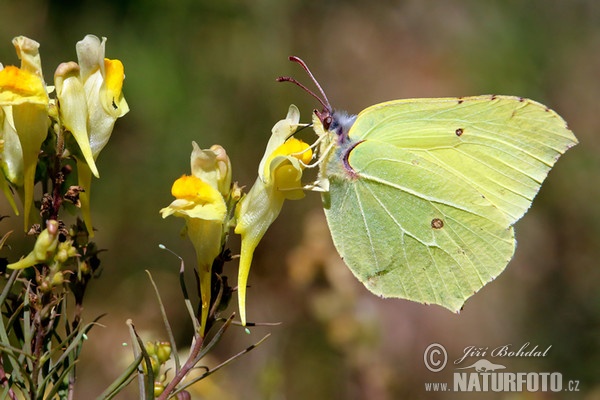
column 57, row 175
column 187, row 367
column 37, row 351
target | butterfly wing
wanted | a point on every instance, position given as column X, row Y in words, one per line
column 423, row 196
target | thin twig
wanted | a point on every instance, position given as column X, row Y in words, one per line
column 196, row 353
column 224, row 363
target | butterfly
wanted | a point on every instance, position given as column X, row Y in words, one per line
column 422, row 194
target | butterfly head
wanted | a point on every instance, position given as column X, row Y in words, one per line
column 333, row 121
column 340, row 124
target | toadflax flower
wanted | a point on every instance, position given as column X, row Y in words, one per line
column 25, row 105
column 102, row 81
column 279, row 175
column 200, row 199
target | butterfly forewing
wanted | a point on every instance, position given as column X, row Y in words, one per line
column 503, row 146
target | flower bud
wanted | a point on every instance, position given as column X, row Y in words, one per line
column 84, row 268
column 43, row 250
column 58, row 279
column 158, row 388
column 151, row 348
column 163, row 352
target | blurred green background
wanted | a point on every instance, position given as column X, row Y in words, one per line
column 205, row 71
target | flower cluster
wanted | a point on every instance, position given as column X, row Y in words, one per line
column 210, row 203
column 159, row 353
column 88, row 100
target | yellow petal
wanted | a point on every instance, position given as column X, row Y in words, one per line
column 195, row 199
column 73, row 108
column 31, row 123
column 113, row 100
column 192, row 188
column 29, row 54
column 212, row 166
column 11, row 153
column 255, row 213
column 90, row 56
column 100, row 123
column 281, row 131
column 290, row 148
column 223, row 165
column 18, row 86
column 286, row 179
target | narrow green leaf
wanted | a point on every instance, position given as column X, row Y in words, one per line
column 122, row 381
column 163, row 313
column 16, row 366
column 146, row 382
column 56, row 383
column 27, row 328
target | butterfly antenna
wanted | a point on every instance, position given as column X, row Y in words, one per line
column 298, row 60
column 307, row 90
column 324, row 100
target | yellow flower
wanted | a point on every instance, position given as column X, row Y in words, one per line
column 200, row 199
column 25, row 103
column 279, row 178
column 102, row 81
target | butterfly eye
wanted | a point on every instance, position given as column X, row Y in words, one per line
column 325, row 118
